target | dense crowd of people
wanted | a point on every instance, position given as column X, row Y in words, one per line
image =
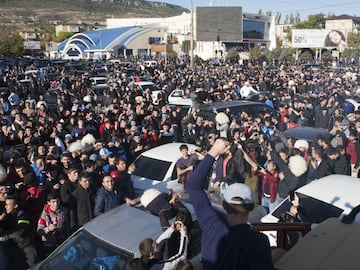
column 65, row 163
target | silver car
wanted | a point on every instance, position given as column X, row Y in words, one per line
column 112, row 239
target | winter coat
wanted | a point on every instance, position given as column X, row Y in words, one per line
column 58, row 218
column 82, row 203
column 106, row 200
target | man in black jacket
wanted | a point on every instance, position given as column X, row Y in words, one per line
column 82, row 201
column 71, row 183
column 124, row 183
column 16, row 231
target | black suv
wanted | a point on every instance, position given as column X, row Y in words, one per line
column 235, row 108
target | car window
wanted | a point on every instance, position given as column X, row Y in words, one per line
column 84, row 251
column 152, row 87
column 151, row 168
column 317, row 211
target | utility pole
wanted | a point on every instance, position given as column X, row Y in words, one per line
column 192, row 35
column 165, row 41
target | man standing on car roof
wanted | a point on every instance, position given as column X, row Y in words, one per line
column 230, row 244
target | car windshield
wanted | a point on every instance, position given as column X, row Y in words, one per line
column 99, row 81
column 152, row 87
column 84, row 251
column 151, row 168
column 317, row 211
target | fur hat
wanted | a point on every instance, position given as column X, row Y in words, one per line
column 221, row 118
column 148, row 196
column 301, row 143
column 297, row 165
column 75, row 147
column 88, row 140
column 88, row 99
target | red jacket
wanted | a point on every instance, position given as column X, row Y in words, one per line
column 273, row 180
column 351, row 151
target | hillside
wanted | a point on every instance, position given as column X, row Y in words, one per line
column 17, row 13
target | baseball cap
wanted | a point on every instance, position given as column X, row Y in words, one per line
column 115, row 176
column 237, row 190
column 104, row 152
column 345, row 122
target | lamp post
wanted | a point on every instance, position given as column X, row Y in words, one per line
column 192, row 35
column 165, row 50
column 165, row 37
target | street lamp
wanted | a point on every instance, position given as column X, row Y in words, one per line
column 165, row 28
column 192, row 35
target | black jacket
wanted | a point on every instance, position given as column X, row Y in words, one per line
column 290, row 182
column 125, row 185
column 82, row 203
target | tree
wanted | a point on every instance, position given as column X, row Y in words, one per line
column 316, row 21
column 326, row 55
column 277, row 18
column 286, row 55
column 11, row 45
column 353, row 40
column 233, row 55
column 61, row 36
column 254, row 53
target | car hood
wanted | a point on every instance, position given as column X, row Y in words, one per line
column 142, row 183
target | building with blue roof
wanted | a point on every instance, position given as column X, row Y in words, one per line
column 162, row 36
column 100, row 43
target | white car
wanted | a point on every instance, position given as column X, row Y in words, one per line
column 332, row 245
column 155, row 168
column 331, row 196
column 154, row 89
column 177, row 97
column 111, row 239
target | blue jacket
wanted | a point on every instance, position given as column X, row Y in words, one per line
column 213, row 226
column 105, row 201
column 223, row 247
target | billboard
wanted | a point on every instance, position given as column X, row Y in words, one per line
column 219, row 24
column 318, row 38
column 32, row 45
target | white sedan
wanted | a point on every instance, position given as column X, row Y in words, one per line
column 156, row 168
column 331, row 196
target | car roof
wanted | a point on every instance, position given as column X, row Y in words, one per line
column 330, row 245
column 167, row 152
column 125, row 227
column 339, row 190
column 306, row 133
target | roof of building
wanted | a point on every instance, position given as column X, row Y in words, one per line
column 100, row 39
column 344, row 17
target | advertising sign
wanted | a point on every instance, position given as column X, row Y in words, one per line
column 219, row 24
column 32, row 45
column 318, row 38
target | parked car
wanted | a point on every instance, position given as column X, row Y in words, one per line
column 143, row 85
column 112, row 239
column 99, row 84
column 234, row 108
column 156, row 168
column 331, row 245
column 330, row 196
column 306, row 133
